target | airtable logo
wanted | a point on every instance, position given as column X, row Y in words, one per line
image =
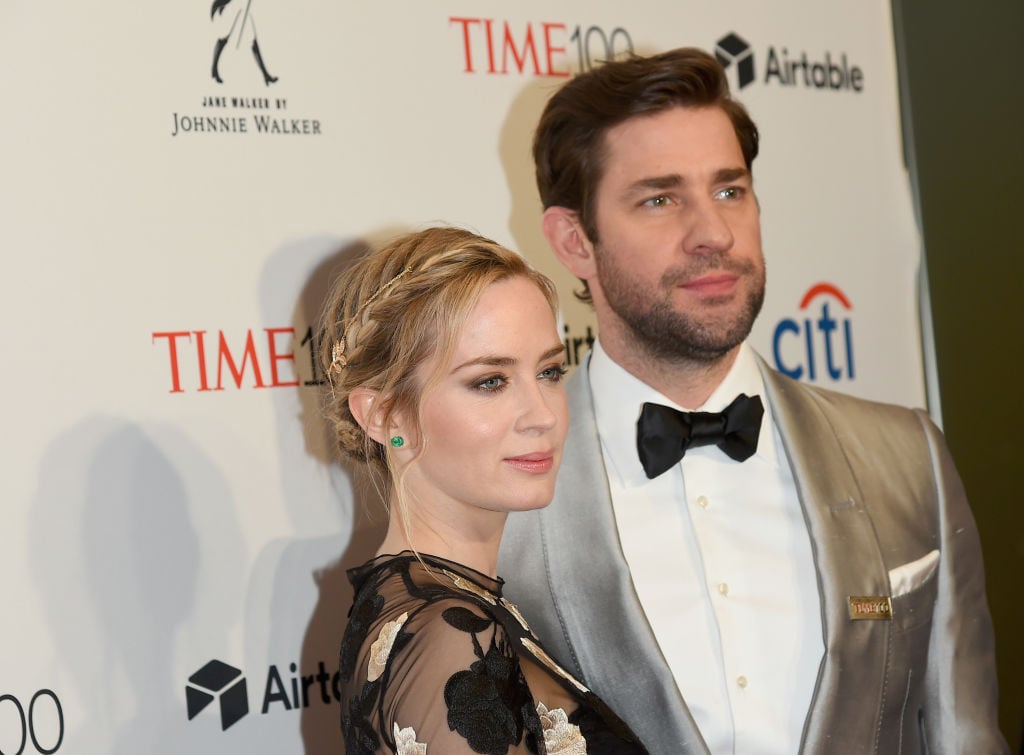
column 218, row 680
column 282, row 691
column 734, row 49
column 799, row 345
column 781, row 68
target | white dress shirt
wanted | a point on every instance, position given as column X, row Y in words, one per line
column 721, row 561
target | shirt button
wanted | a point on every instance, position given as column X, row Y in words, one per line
column 723, row 588
column 741, row 681
column 702, row 501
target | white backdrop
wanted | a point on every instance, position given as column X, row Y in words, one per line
column 168, row 498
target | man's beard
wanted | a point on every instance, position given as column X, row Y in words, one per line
column 667, row 334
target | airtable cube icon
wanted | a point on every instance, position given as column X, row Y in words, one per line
column 218, row 680
column 732, row 48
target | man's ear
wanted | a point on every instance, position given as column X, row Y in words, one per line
column 564, row 232
column 363, row 403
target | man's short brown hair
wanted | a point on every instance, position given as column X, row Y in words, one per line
column 568, row 147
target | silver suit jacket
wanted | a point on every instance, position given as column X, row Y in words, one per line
column 879, row 490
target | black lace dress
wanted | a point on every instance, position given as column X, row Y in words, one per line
column 434, row 657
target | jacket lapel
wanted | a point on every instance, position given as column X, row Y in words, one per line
column 601, row 614
column 849, row 562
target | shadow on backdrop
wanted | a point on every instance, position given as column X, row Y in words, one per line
column 118, row 558
column 306, row 609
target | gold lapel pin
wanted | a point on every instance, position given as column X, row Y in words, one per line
column 871, row 607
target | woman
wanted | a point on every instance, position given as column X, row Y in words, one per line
column 445, row 370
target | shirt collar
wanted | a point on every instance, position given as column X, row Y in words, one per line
column 616, row 419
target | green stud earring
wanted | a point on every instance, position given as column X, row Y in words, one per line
column 397, row 442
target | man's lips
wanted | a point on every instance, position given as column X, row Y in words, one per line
column 713, row 284
column 535, row 463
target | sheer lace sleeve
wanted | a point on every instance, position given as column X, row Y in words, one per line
column 447, row 677
column 459, row 680
column 435, row 660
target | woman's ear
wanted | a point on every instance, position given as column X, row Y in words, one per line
column 568, row 241
column 365, row 404
column 365, row 407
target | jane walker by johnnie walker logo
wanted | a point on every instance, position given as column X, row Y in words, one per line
column 239, row 31
column 236, row 64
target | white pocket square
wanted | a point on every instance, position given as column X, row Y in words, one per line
column 910, row 576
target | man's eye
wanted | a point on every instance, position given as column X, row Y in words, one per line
column 658, row 201
column 730, row 192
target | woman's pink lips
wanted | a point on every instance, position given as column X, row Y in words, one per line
column 536, row 463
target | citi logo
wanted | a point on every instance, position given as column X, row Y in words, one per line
column 781, row 68
column 217, row 680
column 819, row 343
column 226, row 684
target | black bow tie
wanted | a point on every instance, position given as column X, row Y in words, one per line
column 663, row 434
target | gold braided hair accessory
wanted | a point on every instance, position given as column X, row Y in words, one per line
column 338, row 359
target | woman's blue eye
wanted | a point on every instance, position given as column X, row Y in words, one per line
column 492, row 383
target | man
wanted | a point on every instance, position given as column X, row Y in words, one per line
column 803, row 572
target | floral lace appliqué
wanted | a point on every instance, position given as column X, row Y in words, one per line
column 406, row 744
column 465, row 584
column 486, row 702
column 560, row 736
column 548, row 661
column 381, row 647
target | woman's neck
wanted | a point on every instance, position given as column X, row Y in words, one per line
column 477, row 549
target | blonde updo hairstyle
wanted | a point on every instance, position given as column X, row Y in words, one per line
column 395, row 309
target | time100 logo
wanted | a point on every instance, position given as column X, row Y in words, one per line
column 539, row 48
column 42, row 723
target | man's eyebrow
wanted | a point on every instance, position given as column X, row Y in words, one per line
column 725, row 175
column 655, row 183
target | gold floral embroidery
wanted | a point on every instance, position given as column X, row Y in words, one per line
column 465, row 584
column 560, row 736
column 405, row 741
column 548, row 661
column 381, row 647
column 511, row 608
